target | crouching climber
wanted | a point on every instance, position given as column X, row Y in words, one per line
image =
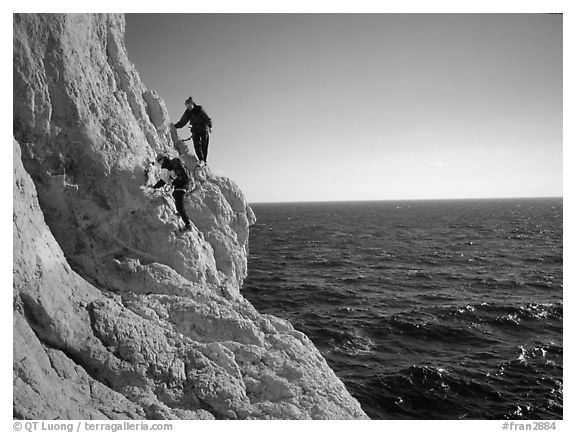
column 172, row 171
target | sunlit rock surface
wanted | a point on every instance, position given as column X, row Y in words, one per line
column 115, row 315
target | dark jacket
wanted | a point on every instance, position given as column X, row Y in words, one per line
column 176, row 173
column 197, row 117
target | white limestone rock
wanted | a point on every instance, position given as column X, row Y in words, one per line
column 156, row 109
column 116, row 316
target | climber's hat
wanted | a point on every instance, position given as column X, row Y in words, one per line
column 189, row 101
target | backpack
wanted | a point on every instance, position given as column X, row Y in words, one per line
column 182, row 174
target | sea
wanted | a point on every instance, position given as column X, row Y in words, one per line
column 439, row 309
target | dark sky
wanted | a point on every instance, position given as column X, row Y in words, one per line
column 366, row 106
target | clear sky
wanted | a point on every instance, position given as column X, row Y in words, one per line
column 366, row 106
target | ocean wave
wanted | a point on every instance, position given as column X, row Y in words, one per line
column 354, row 344
column 424, row 330
column 484, row 311
column 327, row 263
column 440, row 392
column 425, row 310
column 430, row 392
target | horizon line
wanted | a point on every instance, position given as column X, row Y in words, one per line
column 409, row 200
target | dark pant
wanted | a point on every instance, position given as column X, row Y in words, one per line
column 179, row 199
column 201, row 137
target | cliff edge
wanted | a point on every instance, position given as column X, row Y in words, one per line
column 116, row 316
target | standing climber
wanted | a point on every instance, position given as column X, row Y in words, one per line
column 201, row 126
column 173, row 171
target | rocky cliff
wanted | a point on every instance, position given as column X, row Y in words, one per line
column 116, row 316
